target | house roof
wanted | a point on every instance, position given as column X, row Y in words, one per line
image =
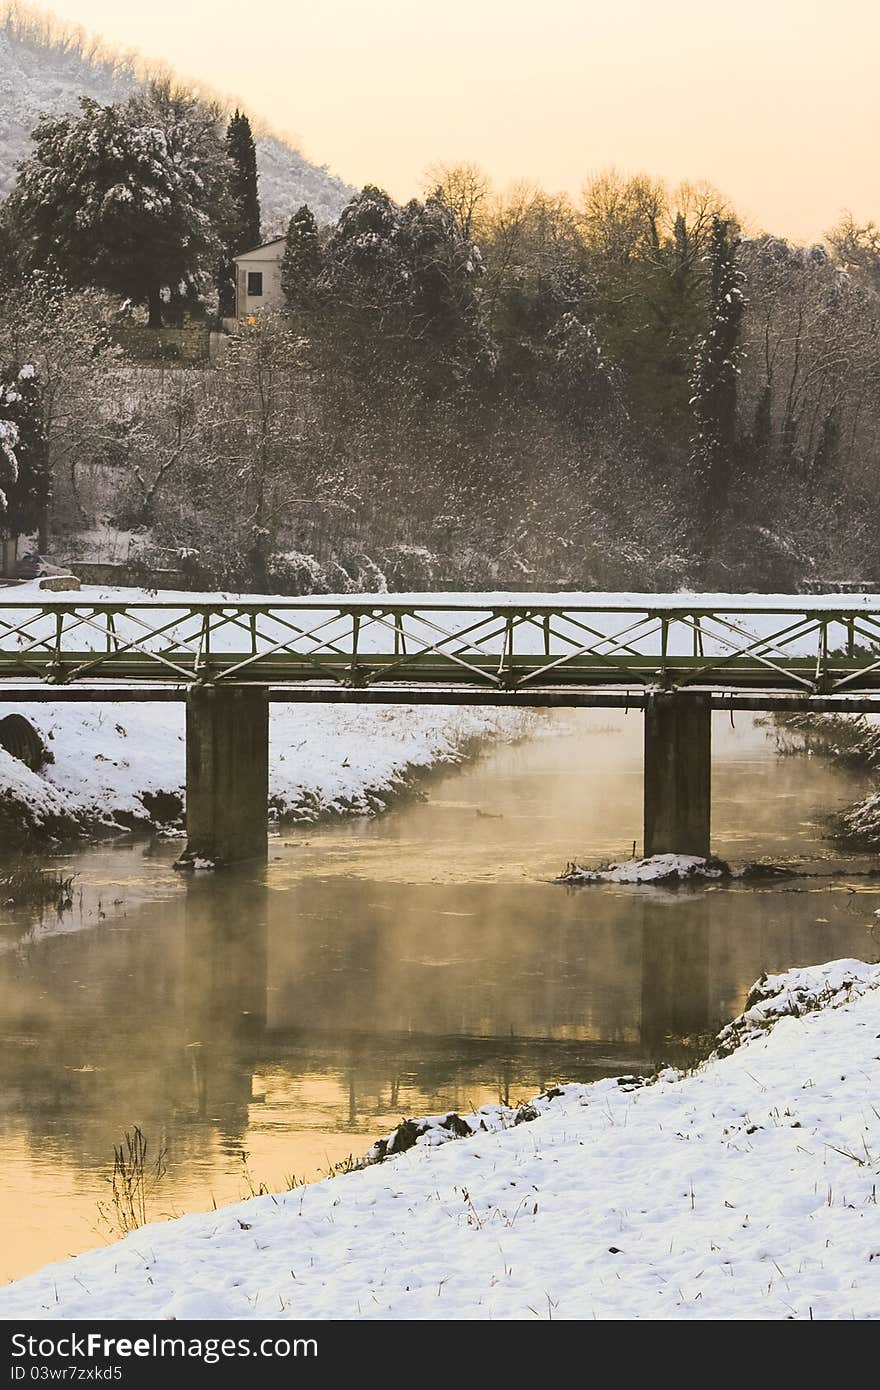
column 243, row 255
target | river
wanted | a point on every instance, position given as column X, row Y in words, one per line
column 262, row 1025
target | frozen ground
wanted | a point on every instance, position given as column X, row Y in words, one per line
column 744, row 1190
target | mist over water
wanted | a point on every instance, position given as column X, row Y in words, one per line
column 376, row 969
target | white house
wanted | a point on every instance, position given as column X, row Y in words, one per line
column 258, row 279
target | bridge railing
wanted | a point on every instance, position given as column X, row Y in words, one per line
column 809, row 644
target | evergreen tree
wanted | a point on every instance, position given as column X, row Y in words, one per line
column 243, row 230
column 9, row 268
column 302, row 260
column 438, row 270
column 361, row 256
column 129, row 197
column 243, row 187
column 24, row 476
column 715, row 380
column 8, row 456
column 404, row 281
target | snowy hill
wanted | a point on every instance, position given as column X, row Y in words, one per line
column 50, row 73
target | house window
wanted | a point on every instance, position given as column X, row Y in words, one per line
column 255, row 284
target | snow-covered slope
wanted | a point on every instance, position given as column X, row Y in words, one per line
column 287, row 180
column 37, row 77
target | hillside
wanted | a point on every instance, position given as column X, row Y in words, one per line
column 50, row 72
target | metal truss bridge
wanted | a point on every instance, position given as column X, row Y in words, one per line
column 751, row 651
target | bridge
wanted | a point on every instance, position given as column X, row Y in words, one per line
column 676, row 656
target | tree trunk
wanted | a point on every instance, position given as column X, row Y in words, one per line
column 154, row 304
column 8, row 554
column 258, row 563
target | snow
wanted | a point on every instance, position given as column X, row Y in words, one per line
column 745, row 1189
column 611, row 602
column 37, row 797
column 625, row 622
column 861, row 822
column 796, row 992
column 766, row 612
column 657, row 868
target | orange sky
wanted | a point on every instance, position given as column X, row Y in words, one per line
column 776, row 101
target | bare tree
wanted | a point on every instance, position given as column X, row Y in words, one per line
column 856, row 247
column 465, row 189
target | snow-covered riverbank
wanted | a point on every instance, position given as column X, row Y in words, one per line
column 744, row 1190
column 124, row 765
column 852, row 741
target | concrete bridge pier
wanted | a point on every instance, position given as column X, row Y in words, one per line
column 678, row 761
column 227, row 773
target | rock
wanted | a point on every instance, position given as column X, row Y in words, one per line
column 456, row 1125
column 58, row 583
column 405, row 1136
column 525, row 1115
column 19, row 737
column 193, row 863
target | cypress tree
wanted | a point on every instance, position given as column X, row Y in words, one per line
column 302, row 260
column 243, row 156
column 243, row 232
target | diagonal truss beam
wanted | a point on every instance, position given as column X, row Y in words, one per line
column 451, row 640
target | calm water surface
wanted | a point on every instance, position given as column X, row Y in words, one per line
column 264, row 1025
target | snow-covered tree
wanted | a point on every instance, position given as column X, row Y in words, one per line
column 23, row 464
column 301, row 264
column 716, row 377
column 584, row 382
column 259, row 446
column 540, row 304
column 66, row 337
column 128, row 197
column 811, row 342
column 439, row 268
column 406, row 280
column 8, row 250
column 8, row 455
column 857, row 248
column 361, row 260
